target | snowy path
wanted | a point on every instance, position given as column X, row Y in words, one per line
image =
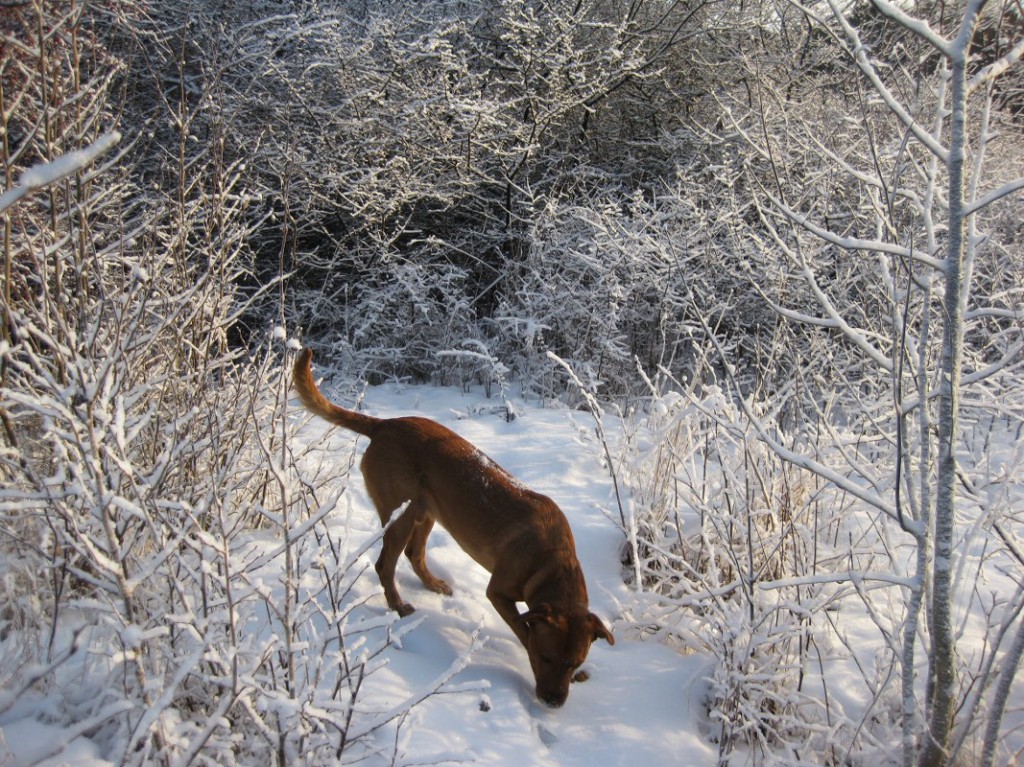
column 642, row 704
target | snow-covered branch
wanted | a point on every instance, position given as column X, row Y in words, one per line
column 42, row 175
column 854, row 245
column 1005, row 190
column 892, row 102
column 998, row 67
column 919, row 27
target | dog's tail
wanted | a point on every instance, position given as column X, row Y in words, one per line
column 316, row 402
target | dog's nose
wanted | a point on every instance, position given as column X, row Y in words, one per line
column 552, row 699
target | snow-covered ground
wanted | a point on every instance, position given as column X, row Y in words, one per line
column 643, row 703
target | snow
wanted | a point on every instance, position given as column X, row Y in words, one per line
column 643, row 703
column 29, row 741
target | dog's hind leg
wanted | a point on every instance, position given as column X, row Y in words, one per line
column 396, row 538
column 416, row 551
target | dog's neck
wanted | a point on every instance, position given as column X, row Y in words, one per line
column 559, row 585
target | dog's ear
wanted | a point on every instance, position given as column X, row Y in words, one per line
column 600, row 632
column 531, row 618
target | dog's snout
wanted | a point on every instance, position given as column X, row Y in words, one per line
column 552, row 699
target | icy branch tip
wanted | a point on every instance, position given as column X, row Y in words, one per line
column 47, row 173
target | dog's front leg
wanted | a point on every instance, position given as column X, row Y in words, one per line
column 506, row 607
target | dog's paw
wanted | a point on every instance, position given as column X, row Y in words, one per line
column 441, row 587
column 581, row 676
column 405, row 609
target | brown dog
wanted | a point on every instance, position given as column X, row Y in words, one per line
column 521, row 537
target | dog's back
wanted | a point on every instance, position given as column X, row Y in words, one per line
column 484, row 508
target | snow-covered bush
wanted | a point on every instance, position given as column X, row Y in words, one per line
column 197, row 601
column 614, row 279
column 735, row 553
column 172, row 584
column 399, row 147
column 884, row 226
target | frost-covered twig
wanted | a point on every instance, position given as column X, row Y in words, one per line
column 44, row 174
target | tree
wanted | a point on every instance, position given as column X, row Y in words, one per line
column 424, row 149
column 899, row 178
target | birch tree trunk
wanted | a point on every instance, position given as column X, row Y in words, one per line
column 941, row 696
column 942, row 660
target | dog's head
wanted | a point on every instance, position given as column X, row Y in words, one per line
column 557, row 643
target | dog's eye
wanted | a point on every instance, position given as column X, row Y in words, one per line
column 547, row 659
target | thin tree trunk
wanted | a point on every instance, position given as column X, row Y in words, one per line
column 941, row 697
